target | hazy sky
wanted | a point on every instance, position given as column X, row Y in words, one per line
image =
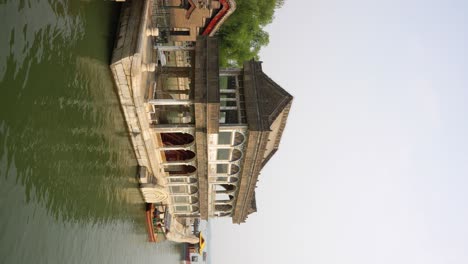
column 373, row 164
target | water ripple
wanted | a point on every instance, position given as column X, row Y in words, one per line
column 35, row 28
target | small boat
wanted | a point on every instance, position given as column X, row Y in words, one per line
column 156, row 222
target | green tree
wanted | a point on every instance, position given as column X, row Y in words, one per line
column 242, row 36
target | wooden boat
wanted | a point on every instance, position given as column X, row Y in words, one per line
column 156, row 222
column 149, row 222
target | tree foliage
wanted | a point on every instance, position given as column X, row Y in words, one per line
column 242, row 36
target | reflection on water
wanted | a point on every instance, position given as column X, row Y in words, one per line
column 67, row 172
column 34, row 29
column 71, row 147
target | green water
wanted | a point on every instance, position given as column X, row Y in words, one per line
column 68, row 192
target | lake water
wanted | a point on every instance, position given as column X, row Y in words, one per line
column 68, row 192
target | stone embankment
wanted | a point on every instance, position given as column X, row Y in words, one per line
column 132, row 62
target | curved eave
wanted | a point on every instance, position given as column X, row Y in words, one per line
column 229, row 6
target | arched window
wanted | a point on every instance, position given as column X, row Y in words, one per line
column 183, row 189
column 238, row 139
column 176, row 139
column 233, row 179
column 179, row 155
column 185, row 199
column 224, row 138
column 180, row 169
column 225, row 188
column 182, row 179
column 222, row 198
column 236, row 155
column 179, row 208
column 234, row 169
column 224, row 179
column 193, row 199
column 193, row 189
